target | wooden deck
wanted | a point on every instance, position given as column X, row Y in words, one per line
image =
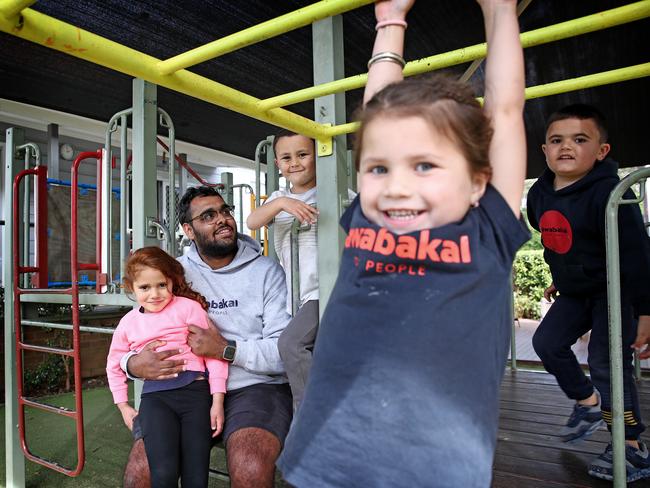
column 530, row 453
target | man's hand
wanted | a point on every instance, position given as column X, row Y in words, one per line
column 550, row 293
column 642, row 343
column 151, row 365
column 207, row 343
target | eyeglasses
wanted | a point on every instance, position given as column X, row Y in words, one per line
column 211, row 216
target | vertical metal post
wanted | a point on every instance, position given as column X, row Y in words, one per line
column 352, row 171
column 227, row 192
column 143, row 166
column 331, row 170
column 182, row 177
column 124, row 195
column 14, row 459
column 266, row 146
column 272, row 184
column 53, row 165
column 615, row 321
column 172, row 221
column 105, row 211
column 295, row 266
column 513, row 332
column 143, row 170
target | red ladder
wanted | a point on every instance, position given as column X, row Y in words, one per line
column 40, row 172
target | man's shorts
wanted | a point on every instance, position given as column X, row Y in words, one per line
column 265, row 406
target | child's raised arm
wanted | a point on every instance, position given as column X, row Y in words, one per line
column 504, row 99
column 390, row 15
column 264, row 214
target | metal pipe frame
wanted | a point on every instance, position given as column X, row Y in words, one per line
column 11, row 8
column 260, row 32
column 614, row 311
column 60, row 326
column 554, row 88
column 42, row 29
column 556, row 32
column 106, row 259
column 20, row 346
column 185, row 165
column 172, row 220
column 61, row 36
column 263, row 145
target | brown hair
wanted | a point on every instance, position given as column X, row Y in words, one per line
column 581, row 111
column 286, row 133
column 447, row 104
column 156, row 258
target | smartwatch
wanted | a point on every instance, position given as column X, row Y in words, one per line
column 229, row 351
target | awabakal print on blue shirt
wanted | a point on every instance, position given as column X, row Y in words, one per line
column 412, row 347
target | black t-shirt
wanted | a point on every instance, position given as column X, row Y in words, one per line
column 411, row 349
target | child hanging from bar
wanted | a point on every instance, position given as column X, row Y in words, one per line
column 176, row 415
column 413, row 344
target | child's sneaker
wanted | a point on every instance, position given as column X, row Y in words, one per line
column 637, row 463
column 583, row 422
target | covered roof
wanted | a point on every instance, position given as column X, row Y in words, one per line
column 34, row 74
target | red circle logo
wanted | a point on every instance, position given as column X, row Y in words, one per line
column 556, row 232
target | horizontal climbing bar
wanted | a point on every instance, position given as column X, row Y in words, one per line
column 548, row 89
column 260, row 32
column 61, row 36
column 556, row 32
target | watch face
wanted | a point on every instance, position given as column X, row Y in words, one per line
column 229, row 352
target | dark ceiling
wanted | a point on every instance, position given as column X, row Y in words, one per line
column 40, row 76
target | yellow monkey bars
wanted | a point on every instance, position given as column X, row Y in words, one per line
column 563, row 30
column 47, row 31
column 266, row 30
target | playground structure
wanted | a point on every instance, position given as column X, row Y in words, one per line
column 139, row 221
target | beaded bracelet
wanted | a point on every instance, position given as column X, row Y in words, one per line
column 384, row 23
column 387, row 56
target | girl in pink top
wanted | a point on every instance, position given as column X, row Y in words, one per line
column 178, row 417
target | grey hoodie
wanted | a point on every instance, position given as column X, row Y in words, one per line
column 247, row 303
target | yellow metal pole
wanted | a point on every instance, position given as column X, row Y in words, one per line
column 11, row 8
column 548, row 89
column 589, row 81
column 265, row 30
column 53, row 33
column 563, row 30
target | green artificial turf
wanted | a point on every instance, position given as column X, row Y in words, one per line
column 107, row 443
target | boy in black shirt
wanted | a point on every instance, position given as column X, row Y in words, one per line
column 567, row 205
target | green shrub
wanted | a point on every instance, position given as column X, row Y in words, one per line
column 46, row 377
column 530, row 277
column 54, row 373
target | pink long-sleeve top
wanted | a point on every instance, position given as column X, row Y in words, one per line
column 137, row 329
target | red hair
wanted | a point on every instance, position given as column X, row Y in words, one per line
column 156, row 258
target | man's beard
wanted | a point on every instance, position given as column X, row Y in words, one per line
column 214, row 249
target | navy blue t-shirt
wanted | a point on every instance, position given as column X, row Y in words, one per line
column 411, row 350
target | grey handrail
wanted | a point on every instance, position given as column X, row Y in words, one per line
column 614, row 311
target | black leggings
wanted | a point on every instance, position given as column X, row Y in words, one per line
column 177, row 435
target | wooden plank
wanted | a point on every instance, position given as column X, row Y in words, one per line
column 589, row 446
column 510, row 480
column 530, row 453
column 555, row 454
column 569, row 473
column 533, row 408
